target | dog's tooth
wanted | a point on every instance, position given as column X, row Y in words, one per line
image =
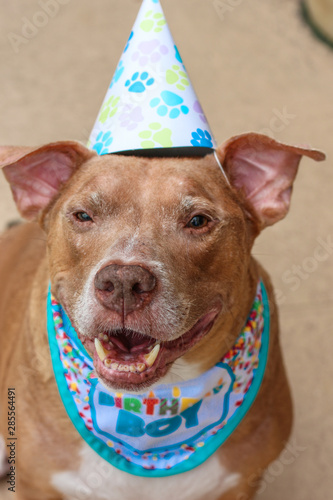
column 151, row 357
column 102, row 353
column 123, row 368
column 138, row 367
column 105, row 337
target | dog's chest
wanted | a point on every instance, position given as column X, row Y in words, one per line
column 95, row 479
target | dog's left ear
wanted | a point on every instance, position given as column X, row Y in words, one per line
column 264, row 171
column 37, row 174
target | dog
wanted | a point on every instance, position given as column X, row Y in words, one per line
column 156, row 252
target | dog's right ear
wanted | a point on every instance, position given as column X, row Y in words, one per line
column 36, row 175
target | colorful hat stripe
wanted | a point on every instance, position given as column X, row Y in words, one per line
column 150, row 106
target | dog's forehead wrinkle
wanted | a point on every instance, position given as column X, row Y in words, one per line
column 188, row 203
column 107, row 180
column 87, row 199
column 97, row 200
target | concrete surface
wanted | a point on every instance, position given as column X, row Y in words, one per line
column 251, row 62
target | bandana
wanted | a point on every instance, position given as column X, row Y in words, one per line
column 173, row 427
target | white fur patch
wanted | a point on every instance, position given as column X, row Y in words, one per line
column 96, row 479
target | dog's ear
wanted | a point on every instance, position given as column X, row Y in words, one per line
column 264, row 171
column 36, row 174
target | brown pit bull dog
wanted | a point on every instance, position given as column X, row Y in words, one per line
column 151, row 260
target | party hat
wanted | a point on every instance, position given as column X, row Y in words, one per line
column 151, row 107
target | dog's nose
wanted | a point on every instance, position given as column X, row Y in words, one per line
column 124, row 288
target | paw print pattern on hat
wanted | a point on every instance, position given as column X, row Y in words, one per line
column 131, row 116
column 129, row 41
column 169, row 103
column 151, row 102
column 202, row 138
column 139, row 82
column 109, row 109
column 153, row 21
column 176, row 76
column 177, row 55
column 103, row 141
column 119, row 71
column 198, row 109
column 149, row 52
column 156, row 135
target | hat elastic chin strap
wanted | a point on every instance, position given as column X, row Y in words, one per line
column 221, row 168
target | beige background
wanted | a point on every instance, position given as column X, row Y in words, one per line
column 250, row 60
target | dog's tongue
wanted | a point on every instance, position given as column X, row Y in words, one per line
column 129, row 353
column 130, row 342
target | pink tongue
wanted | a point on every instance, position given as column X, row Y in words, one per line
column 117, row 341
column 140, row 347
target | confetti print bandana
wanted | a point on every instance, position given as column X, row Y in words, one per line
column 171, row 428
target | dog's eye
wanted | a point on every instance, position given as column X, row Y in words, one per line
column 198, row 222
column 83, row 217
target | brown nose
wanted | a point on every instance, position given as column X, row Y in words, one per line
column 124, row 288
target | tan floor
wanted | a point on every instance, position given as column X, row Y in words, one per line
column 250, row 61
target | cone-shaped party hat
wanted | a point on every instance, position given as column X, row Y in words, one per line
column 151, row 107
column 151, row 104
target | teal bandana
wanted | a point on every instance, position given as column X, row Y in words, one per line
column 171, row 428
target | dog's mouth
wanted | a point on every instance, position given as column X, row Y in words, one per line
column 128, row 360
